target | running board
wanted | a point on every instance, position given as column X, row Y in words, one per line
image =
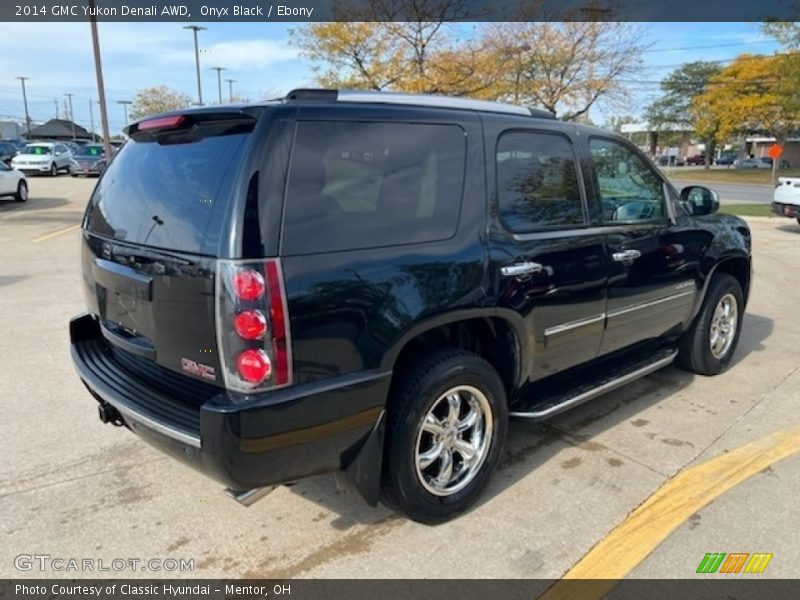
column 559, row 405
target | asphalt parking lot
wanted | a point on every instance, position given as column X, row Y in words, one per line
column 722, row 452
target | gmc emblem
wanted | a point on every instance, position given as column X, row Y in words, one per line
column 198, row 369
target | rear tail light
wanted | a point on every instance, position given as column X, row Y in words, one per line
column 249, row 284
column 252, row 325
column 254, row 366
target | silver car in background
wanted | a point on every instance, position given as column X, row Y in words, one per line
column 43, row 157
column 88, row 160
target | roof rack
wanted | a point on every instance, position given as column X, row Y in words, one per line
column 370, row 96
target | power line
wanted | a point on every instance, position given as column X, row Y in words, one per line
column 704, row 47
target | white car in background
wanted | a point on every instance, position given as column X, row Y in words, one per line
column 43, row 157
column 786, row 201
column 13, row 183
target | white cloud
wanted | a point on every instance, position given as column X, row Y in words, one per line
column 249, row 54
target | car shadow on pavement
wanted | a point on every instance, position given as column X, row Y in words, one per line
column 33, row 203
column 532, row 444
column 11, row 279
column 789, row 228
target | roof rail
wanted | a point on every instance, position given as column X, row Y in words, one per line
column 371, row 96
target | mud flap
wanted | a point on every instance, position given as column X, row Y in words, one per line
column 362, row 473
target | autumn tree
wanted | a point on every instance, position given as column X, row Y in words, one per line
column 565, row 67
column 785, row 32
column 673, row 108
column 754, row 93
column 157, row 99
column 401, row 45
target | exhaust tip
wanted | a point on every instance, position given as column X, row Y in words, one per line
column 249, row 497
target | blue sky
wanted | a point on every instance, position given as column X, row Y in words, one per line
column 58, row 59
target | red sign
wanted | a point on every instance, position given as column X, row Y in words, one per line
column 775, row 151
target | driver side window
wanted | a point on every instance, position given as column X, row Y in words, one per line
column 629, row 189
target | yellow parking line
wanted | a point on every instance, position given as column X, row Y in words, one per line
column 55, row 233
column 637, row 536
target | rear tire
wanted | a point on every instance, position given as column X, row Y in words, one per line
column 708, row 347
column 22, row 192
column 798, row 220
column 446, row 428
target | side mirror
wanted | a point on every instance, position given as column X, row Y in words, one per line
column 700, row 200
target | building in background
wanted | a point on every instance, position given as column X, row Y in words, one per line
column 60, row 129
column 11, row 130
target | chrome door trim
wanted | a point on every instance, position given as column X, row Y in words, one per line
column 555, row 329
column 633, row 307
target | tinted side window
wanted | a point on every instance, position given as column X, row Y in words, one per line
column 360, row 185
column 629, row 189
column 537, row 181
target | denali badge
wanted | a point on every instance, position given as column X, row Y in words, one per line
column 198, row 369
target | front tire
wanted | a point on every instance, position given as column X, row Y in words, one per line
column 53, row 170
column 708, row 347
column 22, row 192
column 446, row 429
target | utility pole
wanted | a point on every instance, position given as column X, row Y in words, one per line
column 125, row 104
column 219, row 71
column 195, row 29
column 71, row 114
column 55, row 101
column 98, row 69
column 25, row 102
column 91, row 119
column 230, row 89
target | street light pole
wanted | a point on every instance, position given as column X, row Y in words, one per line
column 230, row 89
column 25, row 101
column 91, row 119
column 98, row 69
column 219, row 71
column 125, row 106
column 71, row 114
column 195, row 29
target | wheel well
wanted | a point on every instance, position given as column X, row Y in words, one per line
column 740, row 269
column 489, row 337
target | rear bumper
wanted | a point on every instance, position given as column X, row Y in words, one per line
column 33, row 168
column 91, row 169
column 786, row 210
column 243, row 442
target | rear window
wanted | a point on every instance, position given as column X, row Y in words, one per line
column 169, row 191
column 363, row 185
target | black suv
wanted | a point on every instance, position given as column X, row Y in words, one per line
column 372, row 284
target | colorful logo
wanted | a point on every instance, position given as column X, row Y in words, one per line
column 735, row 562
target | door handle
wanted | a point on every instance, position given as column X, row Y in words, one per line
column 626, row 255
column 521, row 269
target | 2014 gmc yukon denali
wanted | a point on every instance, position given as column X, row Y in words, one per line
column 373, row 284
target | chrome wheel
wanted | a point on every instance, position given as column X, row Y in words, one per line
column 453, row 440
column 724, row 323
